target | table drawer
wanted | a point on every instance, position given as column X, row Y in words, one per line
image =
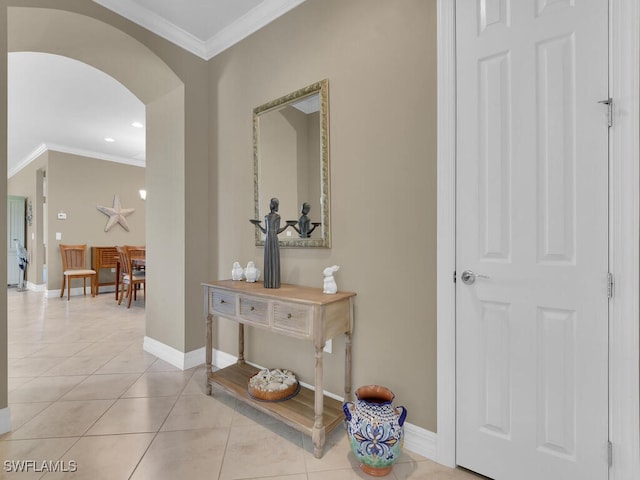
column 292, row 318
column 223, row 302
column 254, row 311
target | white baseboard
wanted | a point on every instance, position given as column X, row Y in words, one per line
column 34, row 287
column 181, row 360
column 5, row 420
column 421, row 441
column 75, row 291
column 194, row 358
column 416, row 439
column 223, row 359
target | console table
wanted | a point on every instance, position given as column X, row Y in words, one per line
column 103, row 257
column 300, row 312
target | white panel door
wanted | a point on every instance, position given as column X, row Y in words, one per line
column 532, row 216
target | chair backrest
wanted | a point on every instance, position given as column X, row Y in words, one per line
column 136, row 252
column 125, row 261
column 74, row 257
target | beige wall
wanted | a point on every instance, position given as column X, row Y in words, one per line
column 77, row 185
column 169, row 227
column 90, row 33
column 380, row 60
column 3, row 206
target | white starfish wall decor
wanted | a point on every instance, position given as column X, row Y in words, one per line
column 116, row 214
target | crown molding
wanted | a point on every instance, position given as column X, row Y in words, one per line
column 46, row 147
column 254, row 20
column 249, row 23
column 157, row 24
column 27, row 160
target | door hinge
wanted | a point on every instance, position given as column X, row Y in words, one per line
column 609, row 285
column 610, row 453
column 454, row 276
column 609, row 103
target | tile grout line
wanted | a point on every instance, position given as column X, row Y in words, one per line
column 163, row 422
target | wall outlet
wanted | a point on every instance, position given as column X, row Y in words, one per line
column 62, row 216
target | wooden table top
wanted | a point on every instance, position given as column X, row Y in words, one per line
column 286, row 291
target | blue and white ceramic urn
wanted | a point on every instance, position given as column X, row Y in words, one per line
column 375, row 429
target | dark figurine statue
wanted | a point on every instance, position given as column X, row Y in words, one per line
column 304, row 222
column 271, row 245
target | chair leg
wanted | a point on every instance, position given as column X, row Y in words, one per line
column 68, row 288
column 121, row 296
column 64, row 277
column 131, row 290
column 84, row 287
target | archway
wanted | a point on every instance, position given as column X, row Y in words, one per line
column 147, row 76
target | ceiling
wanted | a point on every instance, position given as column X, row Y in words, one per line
column 61, row 104
column 204, row 27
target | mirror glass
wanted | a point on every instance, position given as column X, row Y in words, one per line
column 291, row 163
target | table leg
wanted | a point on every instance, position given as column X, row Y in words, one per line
column 117, row 279
column 208, row 353
column 318, row 432
column 347, row 355
column 347, row 368
column 241, row 343
column 94, row 286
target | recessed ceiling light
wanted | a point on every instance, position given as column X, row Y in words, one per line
column 109, row 139
column 137, row 125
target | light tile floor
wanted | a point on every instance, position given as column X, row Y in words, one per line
column 84, row 395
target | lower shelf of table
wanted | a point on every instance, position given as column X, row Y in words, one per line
column 297, row 412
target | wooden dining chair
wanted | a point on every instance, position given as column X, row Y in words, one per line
column 74, row 265
column 128, row 276
column 137, row 253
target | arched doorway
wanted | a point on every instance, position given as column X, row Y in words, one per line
column 149, row 77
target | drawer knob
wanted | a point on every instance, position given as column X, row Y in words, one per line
column 222, row 301
column 253, row 308
column 288, row 315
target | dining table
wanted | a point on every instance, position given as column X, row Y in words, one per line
column 139, row 263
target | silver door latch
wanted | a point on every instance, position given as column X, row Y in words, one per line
column 469, row 277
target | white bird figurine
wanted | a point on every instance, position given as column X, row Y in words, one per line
column 330, row 285
column 236, row 271
column 251, row 273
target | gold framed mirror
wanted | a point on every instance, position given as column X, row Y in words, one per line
column 291, row 163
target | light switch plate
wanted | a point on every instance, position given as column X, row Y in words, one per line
column 58, row 235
